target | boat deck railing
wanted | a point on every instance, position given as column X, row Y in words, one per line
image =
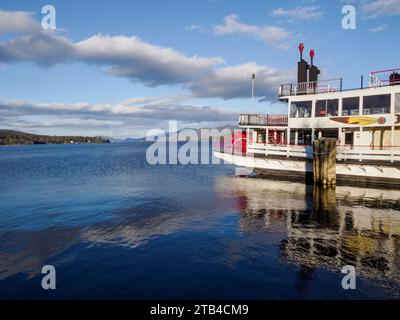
column 382, row 78
column 304, row 88
column 273, row 120
column 360, row 153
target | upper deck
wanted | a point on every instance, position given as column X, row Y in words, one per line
column 377, row 79
column 325, row 104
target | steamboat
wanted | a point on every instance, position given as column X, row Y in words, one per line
column 364, row 120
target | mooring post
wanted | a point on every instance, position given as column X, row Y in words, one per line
column 316, row 153
column 324, row 158
column 324, row 161
column 332, row 162
column 324, row 205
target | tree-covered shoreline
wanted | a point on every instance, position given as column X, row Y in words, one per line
column 12, row 137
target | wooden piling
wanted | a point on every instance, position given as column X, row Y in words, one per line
column 332, row 162
column 317, row 158
column 324, row 206
column 324, row 161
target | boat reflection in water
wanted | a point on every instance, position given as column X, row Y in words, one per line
column 325, row 228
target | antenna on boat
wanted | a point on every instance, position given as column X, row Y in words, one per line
column 253, row 80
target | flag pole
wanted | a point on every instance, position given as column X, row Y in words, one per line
column 253, row 79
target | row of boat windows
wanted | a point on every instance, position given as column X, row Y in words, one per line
column 378, row 104
column 304, row 135
column 373, row 137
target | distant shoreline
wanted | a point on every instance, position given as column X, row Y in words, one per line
column 18, row 138
column 52, row 144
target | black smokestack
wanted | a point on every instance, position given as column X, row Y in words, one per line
column 313, row 70
column 302, row 67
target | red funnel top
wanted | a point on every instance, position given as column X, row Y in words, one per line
column 301, row 48
column 312, row 53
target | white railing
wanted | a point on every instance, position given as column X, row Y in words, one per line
column 289, row 151
column 281, row 150
column 384, row 78
column 276, row 120
column 361, row 154
column 343, row 152
column 256, row 148
column 324, row 86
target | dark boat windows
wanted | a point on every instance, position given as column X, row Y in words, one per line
column 326, row 133
column 261, row 135
column 301, row 137
column 376, row 104
column 304, row 137
column 349, row 138
column 351, row 106
column 327, row 108
column 301, row 109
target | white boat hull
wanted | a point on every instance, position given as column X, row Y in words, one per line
column 285, row 167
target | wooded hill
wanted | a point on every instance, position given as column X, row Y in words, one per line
column 11, row 137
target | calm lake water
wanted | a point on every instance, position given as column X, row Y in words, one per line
column 116, row 227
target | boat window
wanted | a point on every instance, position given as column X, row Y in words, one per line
column 397, row 103
column 351, row 106
column 376, row 104
column 260, row 135
column 327, row 108
column 300, row 109
column 327, row 133
column 304, row 137
column 292, row 137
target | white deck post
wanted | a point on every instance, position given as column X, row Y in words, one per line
column 361, row 135
column 266, row 141
column 392, row 147
column 247, row 139
column 392, row 112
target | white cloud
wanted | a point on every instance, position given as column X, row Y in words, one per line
column 65, row 122
column 235, row 82
column 312, row 12
column 378, row 29
column 108, row 119
column 196, row 27
column 125, row 56
column 272, row 35
column 133, row 58
column 42, row 47
column 152, row 108
column 17, row 21
column 379, row 8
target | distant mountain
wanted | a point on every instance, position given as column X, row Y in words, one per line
column 134, row 139
column 111, row 139
column 12, row 137
column 196, row 135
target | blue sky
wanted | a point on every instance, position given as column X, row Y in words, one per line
column 120, row 68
